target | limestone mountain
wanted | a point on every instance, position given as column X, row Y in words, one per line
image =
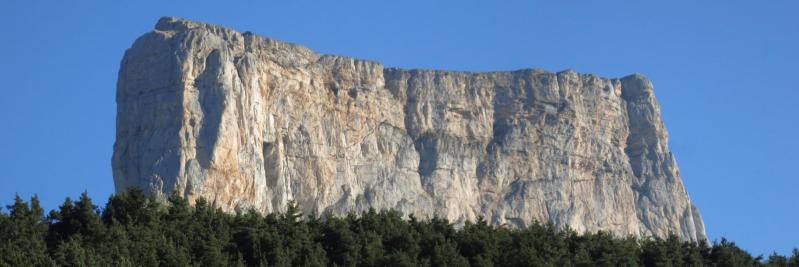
column 252, row 122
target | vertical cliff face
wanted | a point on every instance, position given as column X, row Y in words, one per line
column 250, row 122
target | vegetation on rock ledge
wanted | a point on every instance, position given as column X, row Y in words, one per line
column 136, row 230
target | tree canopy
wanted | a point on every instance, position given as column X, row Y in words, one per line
column 136, row 230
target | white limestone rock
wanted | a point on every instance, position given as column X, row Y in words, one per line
column 251, row 122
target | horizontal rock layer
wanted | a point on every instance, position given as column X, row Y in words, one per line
column 251, row 122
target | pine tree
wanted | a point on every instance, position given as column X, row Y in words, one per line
column 22, row 233
column 726, row 253
column 794, row 260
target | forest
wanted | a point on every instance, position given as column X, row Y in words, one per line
column 134, row 229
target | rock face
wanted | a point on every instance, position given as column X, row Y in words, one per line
column 251, row 122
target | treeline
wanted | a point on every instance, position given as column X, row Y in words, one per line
column 136, row 230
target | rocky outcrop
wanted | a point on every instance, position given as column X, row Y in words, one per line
column 251, row 122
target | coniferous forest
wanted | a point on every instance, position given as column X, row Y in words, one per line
column 135, row 230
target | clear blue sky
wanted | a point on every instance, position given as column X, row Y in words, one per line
column 726, row 74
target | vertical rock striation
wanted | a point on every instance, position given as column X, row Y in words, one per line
column 251, row 122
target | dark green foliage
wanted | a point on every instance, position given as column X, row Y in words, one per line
column 136, row 230
column 22, row 235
